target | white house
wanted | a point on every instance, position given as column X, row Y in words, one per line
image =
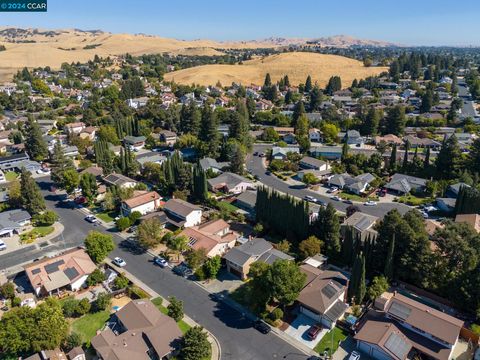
column 181, row 213
column 143, row 201
column 315, row 135
column 12, row 221
column 75, row 127
column 137, row 102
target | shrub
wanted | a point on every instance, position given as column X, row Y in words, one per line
column 121, row 282
column 83, row 307
column 276, row 314
column 123, row 223
column 69, row 307
column 175, row 309
column 7, row 290
column 71, row 341
column 134, row 216
column 200, row 274
column 475, row 328
column 47, row 218
column 102, row 302
column 16, row 301
column 135, row 292
column 96, row 277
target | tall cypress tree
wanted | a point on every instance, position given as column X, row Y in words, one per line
column 388, row 271
column 405, row 157
column 308, row 84
column 298, row 111
column 32, row 199
column 199, row 183
column 393, row 159
column 208, row 132
column 59, row 163
column 361, row 288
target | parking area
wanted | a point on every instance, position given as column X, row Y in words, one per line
column 298, row 330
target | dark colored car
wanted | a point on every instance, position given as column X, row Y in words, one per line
column 183, row 270
column 262, row 326
column 313, row 332
column 347, row 201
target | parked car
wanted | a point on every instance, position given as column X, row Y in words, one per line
column 370, row 203
column 261, row 155
column 354, row 356
column 424, row 214
column 80, row 200
column 2, row 246
column 91, row 219
column 336, row 198
column 255, row 153
column 119, row 262
column 268, row 172
column 313, row 332
column 262, row 326
column 332, row 189
column 183, row 270
column 347, row 201
column 310, row 198
column 158, row 260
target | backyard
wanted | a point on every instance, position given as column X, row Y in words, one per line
column 88, row 324
column 331, row 341
column 181, row 324
column 228, row 207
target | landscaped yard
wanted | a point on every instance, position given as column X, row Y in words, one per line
column 88, row 325
column 36, row 233
column 11, row 175
column 107, row 216
column 354, row 197
column 181, row 324
column 226, row 206
column 413, row 200
column 329, row 343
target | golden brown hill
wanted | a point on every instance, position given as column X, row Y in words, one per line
column 297, row 66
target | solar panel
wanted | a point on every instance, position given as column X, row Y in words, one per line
column 399, row 310
column 53, row 267
column 192, row 241
column 397, row 346
column 329, row 291
column 71, row 272
column 36, row 271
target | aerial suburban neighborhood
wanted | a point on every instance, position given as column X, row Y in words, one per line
column 284, row 198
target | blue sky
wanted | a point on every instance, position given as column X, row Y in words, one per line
column 419, row 22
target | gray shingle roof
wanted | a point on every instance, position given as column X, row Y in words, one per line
column 229, row 179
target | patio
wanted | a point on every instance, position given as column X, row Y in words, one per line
column 298, row 330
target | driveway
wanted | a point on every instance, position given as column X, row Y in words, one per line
column 298, row 330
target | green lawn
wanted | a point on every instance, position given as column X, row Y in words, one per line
column 43, row 230
column 413, row 200
column 88, row 325
column 225, row 205
column 181, row 324
column 107, row 216
column 11, row 175
column 327, row 344
column 354, row 197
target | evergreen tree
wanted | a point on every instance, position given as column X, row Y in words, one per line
column 308, row 84
column 32, row 199
column 190, row 118
column 268, row 80
column 362, row 288
column 327, row 229
column 371, row 123
column 426, row 162
column 388, row 271
column 405, row 157
column 356, row 287
column 59, row 163
column 345, row 150
column 199, row 183
column 393, row 159
column 208, row 132
column 427, row 101
column 334, row 84
column 240, row 126
column 35, row 146
column 315, row 98
column 395, row 121
column 298, row 111
column 237, row 158
column 449, row 159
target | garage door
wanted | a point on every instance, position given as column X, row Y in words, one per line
column 310, row 314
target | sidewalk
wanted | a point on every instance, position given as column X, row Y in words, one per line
column 216, row 348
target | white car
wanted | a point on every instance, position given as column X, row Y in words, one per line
column 119, row 262
column 354, row 356
column 91, row 219
column 332, row 189
column 424, row 214
column 310, row 198
column 370, row 203
column 2, row 246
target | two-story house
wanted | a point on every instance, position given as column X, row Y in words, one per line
column 182, row 214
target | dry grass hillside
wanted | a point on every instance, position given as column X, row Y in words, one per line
column 37, row 47
column 296, row 65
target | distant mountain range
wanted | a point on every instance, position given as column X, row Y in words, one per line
column 342, row 41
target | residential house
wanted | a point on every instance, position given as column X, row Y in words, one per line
column 213, row 165
column 13, row 222
column 119, row 180
column 247, row 201
column 142, row 332
column 76, row 353
column 446, row 204
column 181, row 213
column 239, row 259
column 89, row 133
column 363, row 225
column 137, row 103
column 454, row 189
column 290, row 138
column 168, row 137
column 353, row 137
column 356, row 185
column 47, row 124
column 472, row 219
column 403, row 184
column 75, row 127
column 282, row 131
column 264, row 104
column 70, row 150
column 389, row 139
column 134, row 142
column 280, row 153
column 142, row 201
column 68, row 270
column 13, row 162
column 315, row 135
column 214, row 236
column 150, row 157
column 96, row 171
column 160, row 216
column 323, row 297
column 308, row 162
column 404, row 328
column 230, row 183
column 414, row 142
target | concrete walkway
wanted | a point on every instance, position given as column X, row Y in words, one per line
column 216, row 348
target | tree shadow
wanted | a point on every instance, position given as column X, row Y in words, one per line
column 229, row 315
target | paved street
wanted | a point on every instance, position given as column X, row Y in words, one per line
column 256, row 166
column 468, row 109
column 234, row 332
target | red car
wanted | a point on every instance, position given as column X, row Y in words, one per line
column 80, row 200
column 313, row 332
